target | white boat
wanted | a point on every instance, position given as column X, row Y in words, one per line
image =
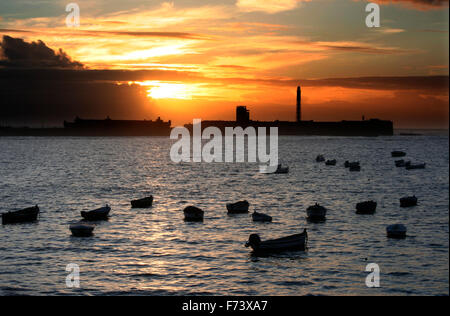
column 260, row 217
column 316, row 212
column 396, row 231
column 82, row 230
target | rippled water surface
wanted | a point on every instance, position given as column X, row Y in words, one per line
column 154, row 252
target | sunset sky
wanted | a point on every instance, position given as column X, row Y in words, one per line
column 190, row 59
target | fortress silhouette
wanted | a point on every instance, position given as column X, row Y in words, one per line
column 372, row 127
column 109, row 127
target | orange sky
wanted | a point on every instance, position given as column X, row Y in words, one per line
column 254, row 53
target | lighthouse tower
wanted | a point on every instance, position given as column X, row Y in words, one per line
column 299, row 104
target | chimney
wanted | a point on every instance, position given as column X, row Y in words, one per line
column 299, row 104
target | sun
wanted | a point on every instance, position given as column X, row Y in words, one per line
column 169, row 91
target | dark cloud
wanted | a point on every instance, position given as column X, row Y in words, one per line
column 15, row 52
column 53, row 88
column 33, row 101
column 180, row 35
column 418, row 4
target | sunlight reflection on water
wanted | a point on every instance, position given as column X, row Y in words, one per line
column 152, row 251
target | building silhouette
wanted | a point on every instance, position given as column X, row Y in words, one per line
column 299, row 104
column 242, row 114
column 371, row 127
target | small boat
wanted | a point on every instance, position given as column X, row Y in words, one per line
column 142, row 203
column 260, row 217
column 320, row 158
column 348, row 164
column 193, row 214
column 396, row 231
column 293, row 242
column 417, row 166
column 400, row 163
column 355, row 168
column 22, row 216
column 316, row 212
column 398, row 153
column 96, row 215
column 238, row 207
column 368, row 207
column 330, row 162
column 82, row 230
column 281, row 169
column 408, row 201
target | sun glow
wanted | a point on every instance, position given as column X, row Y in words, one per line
column 172, row 90
column 169, row 91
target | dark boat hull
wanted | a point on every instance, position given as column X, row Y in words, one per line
column 398, row 154
column 142, row 203
column 82, row 231
column 23, row 216
column 296, row 242
column 193, row 214
column 238, row 207
column 408, row 202
column 96, row 215
column 366, row 208
column 316, row 213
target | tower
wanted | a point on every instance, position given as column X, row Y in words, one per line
column 299, row 104
column 242, row 114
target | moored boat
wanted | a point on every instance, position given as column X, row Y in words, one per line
column 281, row 169
column 29, row 214
column 316, row 212
column 355, row 168
column 416, row 166
column 331, row 162
column 293, row 242
column 320, row 158
column 260, row 217
column 96, row 215
column 408, row 201
column 193, row 214
column 367, row 207
column 398, row 153
column 82, row 230
column 238, row 207
column 396, row 231
column 349, row 164
column 142, row 203
column 400, row 163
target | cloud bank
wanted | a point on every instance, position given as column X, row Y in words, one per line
column 15, row 52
